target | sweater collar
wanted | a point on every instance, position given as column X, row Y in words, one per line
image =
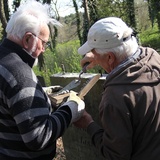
column 21, row 52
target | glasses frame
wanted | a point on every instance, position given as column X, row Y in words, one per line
column 44, row 43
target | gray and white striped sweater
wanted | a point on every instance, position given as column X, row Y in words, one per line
column 28, row 129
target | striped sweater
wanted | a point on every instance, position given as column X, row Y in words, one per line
column 28, row 128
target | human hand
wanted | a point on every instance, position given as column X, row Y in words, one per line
column 52, row 89
column 76, row 106
column 84, row 121
column 91, row 58
column 73, row 97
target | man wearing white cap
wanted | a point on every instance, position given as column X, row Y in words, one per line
column 130, row 104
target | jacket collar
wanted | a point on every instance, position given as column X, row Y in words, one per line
column 127, row 61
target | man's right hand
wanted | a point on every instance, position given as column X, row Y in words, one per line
column 91, row 58
column 84, row 121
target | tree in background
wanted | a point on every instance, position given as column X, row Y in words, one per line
column 90, row 16
column 78, row 21
column 130, row 10
column 86, row 21
column 54, row 30
column 97, row 9
column 76, row 26
column 16, row 4
column 154, row 11
column 4, row 14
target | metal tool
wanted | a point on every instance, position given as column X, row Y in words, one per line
column 82, row 71
column 56, row 100
column 73, row 84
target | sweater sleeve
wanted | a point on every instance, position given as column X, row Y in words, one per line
column 31, row 111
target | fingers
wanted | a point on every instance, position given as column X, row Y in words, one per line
column 73, row 93
column 76, row 105
column 89, row 57
column 52, row 89
column 56, row 88
column 64, row 92
column 73, row 97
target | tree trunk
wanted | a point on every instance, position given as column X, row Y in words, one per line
column 3, row 17
column 6, row 9
column 131, row 13
column 92, row 5
column 154, row 8
column 16, row 4
column 78, row 21
column 86, row 21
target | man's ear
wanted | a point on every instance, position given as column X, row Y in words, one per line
column 111, row 58
column 26, row 39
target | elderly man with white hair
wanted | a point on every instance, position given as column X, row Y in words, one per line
column 130, row 106
column 28, row 127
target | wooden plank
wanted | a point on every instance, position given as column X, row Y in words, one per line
column 58, row 99
column 88, row 86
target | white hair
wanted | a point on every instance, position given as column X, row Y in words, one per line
column 29, row 17
column 34, row 46
column 123, row 51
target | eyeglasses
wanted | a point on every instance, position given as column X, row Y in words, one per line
column 44, row 43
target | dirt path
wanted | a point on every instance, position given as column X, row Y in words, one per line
column 60, row 150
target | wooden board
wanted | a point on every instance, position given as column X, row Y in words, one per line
column 58, row 99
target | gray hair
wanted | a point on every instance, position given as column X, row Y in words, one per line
column 29, row 17
column 123, row 51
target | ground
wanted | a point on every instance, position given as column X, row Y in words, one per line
column 60, row 150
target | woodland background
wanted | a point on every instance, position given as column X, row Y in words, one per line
column 142, row 15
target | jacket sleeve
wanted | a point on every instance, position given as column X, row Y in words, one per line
column 114, row 141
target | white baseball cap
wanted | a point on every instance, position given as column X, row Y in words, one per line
column 106, row 33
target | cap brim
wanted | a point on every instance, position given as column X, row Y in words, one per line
column 85, row 48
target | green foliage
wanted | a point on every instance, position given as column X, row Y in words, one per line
column 65, row 54
column 150, row 37
column 154, row 11
column 108, row 8
column 44, row 73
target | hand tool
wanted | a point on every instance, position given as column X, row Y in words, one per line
column 75, row 83
column 58, row 99
column 83, row 71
